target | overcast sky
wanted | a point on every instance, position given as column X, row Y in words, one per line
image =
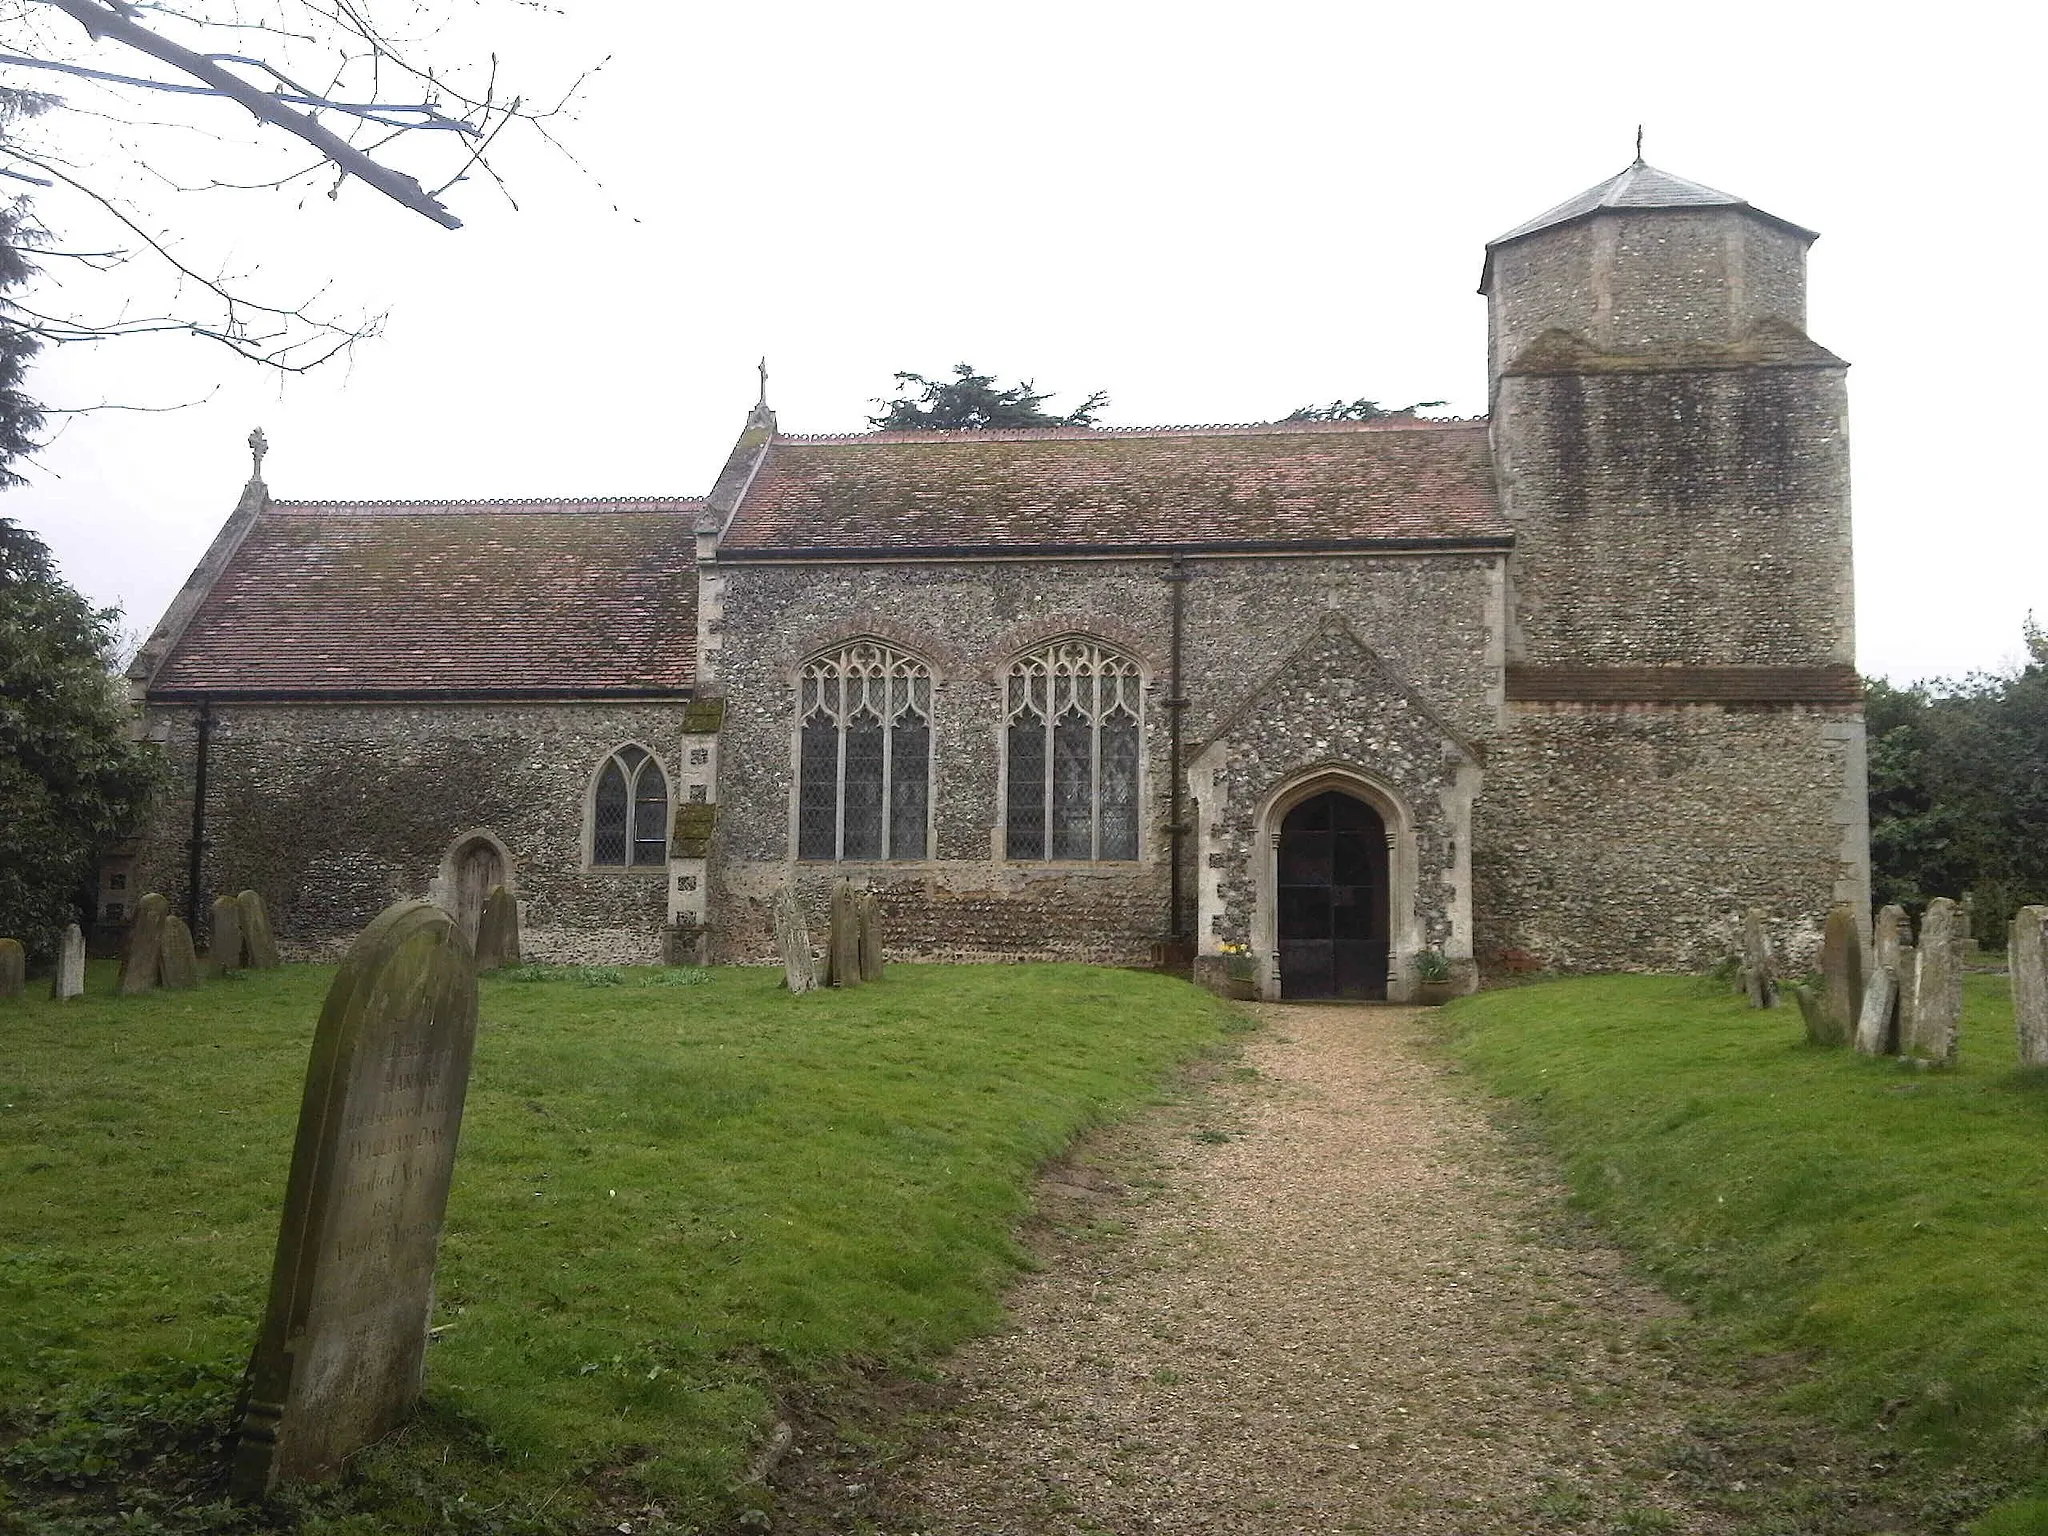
column 1216, row 213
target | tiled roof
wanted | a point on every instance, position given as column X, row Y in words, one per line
column 437, row 597
column 1641, row 187
column 1284, row 484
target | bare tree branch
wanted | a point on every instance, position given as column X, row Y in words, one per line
column 105, row 20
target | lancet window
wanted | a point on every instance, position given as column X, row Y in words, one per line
column 864, row 755
column 1071, row 745
column 629, row 815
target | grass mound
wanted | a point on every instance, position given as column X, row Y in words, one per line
column 672, row 1203
column 1882, row 1227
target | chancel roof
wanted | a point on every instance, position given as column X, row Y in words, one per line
column 1641, row 187
column 1284, row 485
column 480, row 598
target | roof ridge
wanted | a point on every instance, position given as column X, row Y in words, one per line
column 488, row 503
column 1085, row 434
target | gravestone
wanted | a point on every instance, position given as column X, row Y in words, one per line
column 842, row 942
column 2026, row 956
column 793, row 939
column 1813, row 1011
column 13, row 968
column 142, row 957
column 869, row 911
column 69, row 977
column 224, row 952
column 258, row 944
column 1877, row 1024
column 1841, row 969
column 177, row 960
column 1759, row 971
column 497, row 931
column 339, row 1358
column 1937, row 991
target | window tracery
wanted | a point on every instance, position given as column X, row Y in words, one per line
column 629, row 813
column 863, row 754
column 1072, row 722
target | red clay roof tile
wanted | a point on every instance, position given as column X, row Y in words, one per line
column 423, row 597
column 1285, row 483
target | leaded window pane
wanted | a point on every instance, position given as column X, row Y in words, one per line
column 650, row 815
column 861, row 837
column 910, row 755
column 1118, row 791
column 608, row 833
column 1072, row 787
column 817, row 795
column 1025, row 817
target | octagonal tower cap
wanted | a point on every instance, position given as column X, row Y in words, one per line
column 1640, row 188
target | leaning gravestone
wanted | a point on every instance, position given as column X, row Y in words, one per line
column 177, row 960
column 869, row 911
column 842, row 944
column 1759, row 972
column 1813, row 1010
column 224, row 951
column 69, row 978
column 497, row 931
column 2026, row 956
column 1841, row 969
column 13, row 968
column 1929, row 1033
column 257, row 942
column 1877, row 1023
column 793, row 939
column 339, row 1359
column 142, row 957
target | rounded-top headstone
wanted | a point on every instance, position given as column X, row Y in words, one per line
column 497, row 931
column 177, row 960
column 339, row 1358
column 1929, row 1028
column 142, row 956
column 842, row 945
column 13, row 968
column 257, row 941
column 224, row 949
column 69, row 978
column 1841, row 969
column 2026, row 957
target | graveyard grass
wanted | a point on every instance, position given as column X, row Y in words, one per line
column 1862, row 1237
column 680, row 1195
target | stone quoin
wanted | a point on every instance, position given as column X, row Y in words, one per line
column 1568, row 686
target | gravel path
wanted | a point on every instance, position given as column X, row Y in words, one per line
column 1339, row 1305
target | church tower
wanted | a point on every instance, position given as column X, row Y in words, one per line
column 1682, row 718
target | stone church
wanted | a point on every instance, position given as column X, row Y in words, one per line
column 1568, row 687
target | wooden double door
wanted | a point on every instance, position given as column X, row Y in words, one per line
column 1333, row 899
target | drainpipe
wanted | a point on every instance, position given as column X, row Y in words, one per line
column 205, row 742
column 1176, row 708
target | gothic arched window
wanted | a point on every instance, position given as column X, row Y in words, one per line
column 629, row 815
column 864, row 754
column 1071, row 724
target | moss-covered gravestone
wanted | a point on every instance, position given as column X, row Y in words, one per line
column 793, row 939
column 1841, row 970
column 842, row 945
column 177, row 960
column 1759, row 969
column 13, row 968
column 257, row 943
column 497, row 931
column 68, row 980
column 1877, row 1021
column 142, row 956
column 224, row 951
column 338, row 1362
column 869, row 908
column 1929, row 1027
column 2026, row 956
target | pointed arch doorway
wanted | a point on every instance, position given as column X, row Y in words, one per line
column 1333, row 908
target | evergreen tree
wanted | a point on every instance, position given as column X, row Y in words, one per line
column 1358, row 410
column 971, row 401
column 71, row 780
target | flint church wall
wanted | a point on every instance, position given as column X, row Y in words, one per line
column 1433, row 617
column 334, row 811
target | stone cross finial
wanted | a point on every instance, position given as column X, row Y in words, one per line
column 259, row 445
column 1639, row 143
column 763, row 367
